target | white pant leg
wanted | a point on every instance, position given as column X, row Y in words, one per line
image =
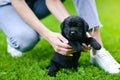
column 87, row 10
column 19, row 34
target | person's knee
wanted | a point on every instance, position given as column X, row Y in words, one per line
column 24, row 41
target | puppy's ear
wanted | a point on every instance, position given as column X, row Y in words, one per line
column 65, row 22
column 62, row 27
column 76, row 45
column 86, row 26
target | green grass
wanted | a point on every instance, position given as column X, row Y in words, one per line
column 31, row 66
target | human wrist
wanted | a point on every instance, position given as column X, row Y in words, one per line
column 47, row 35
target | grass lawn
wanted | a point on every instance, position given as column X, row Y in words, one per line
column 32, row 65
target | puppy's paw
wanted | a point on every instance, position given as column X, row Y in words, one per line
column 52, row 74
column 94, row 44
column 53, row 69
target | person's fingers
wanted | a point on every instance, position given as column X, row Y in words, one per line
column 88, row 35
column 63, row 39
column 65, row 51
column 85, row 47
column 64, row 45
column 89, row 47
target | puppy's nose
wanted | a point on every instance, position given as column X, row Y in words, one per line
column 73, row 33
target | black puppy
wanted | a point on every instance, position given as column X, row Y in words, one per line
column 74, row 29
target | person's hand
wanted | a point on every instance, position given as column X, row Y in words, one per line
column 60, row 44
column 85, row 47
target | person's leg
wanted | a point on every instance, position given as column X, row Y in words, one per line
column 19, row 34
column 39, row 8
column 87, row 10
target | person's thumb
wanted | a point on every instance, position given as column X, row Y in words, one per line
column 63, row 39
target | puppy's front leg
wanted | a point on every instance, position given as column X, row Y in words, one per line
column 53, row 68
column 93, row 42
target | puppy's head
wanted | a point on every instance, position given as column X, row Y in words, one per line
column 74, row 28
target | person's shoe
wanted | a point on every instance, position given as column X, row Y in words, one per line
column 14, row 52
column 104, row 60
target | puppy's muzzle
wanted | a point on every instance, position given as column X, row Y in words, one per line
column 74, row 35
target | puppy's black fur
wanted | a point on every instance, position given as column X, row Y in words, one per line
column 74, row 29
